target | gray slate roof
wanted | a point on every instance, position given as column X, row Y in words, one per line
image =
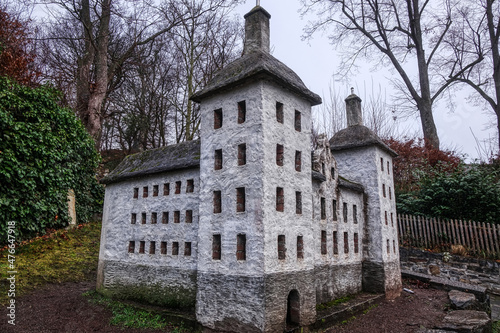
column 252, row 66
column 180, row 156
column 357, row 136
column 318, row 176
column 350, row 185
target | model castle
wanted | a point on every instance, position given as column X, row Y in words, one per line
column 248, row 224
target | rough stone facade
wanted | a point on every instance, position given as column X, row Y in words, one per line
column 254, row 229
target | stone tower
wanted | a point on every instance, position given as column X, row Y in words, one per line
column 255, row 243
column 364, row 158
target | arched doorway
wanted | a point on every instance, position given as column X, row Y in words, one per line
column 293, row 308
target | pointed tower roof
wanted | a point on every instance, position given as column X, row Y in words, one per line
column 256, row 63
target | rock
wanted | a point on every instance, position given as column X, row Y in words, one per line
column 461, row 300
column 466, row 321
column 434, row 269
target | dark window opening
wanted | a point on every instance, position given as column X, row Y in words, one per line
column 241, row 244
column 145, row 192
column 242, row 112
column 154, row 218
column 279, row 112
column 346, row 242
column 323, row 242
column 163, row 248
column 388, row 172
column 136, row 192
column 345, row 212
column 298, row 161
column 388, row 247
column 242, row 154
column 300, row 247
column 298, row 121
column 142, row 245
column 323, row 168
column 155, row 190
column 175, row 248
column 164, row 218
column 166, row 189
column 354, row 213
column 133, row 219
column 240, row 199
column 177, row 216
column 218, row 159
column 187, row 249
column 392, row 220
column 280, row 199
column 281, row 247
column 390, row 194
column 189, row 216
column 216, row 247
column 190, row 186
column 143, row 218
column 131, row 247
column 217, row 118
column 356, row 243
column 217, row 202
column 298, row 202
column 382, row 164
column 334, row 209
column 386, row 220
column 332, row 170
column 323, row 209
column 393, row 246
column 335, row 243
column 152, row 247
column 279, row 154
column 383, row 190
column 178, row 187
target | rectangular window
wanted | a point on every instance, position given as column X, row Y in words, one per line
column 298, row 161
column 218, row 159
column 323, row 209
column 280, row 199
column 300, row 247
column 334, row 209
column 142, row 245
column 242, row 154
column 281, row 247
column 382, row 164
column 383, row 190
column 386, row 220
column 388, row 247
column 279, row 154
column 187, row 249
column 217, row 118
column 143, row 218
column 242, row 112
column 356, row 243
column 345, row 212
column 216, row 247
column 393, row 246
column 355, row 214
column 133, row 219
column 163, row 248
column 298, row 202
column 166, row 189
column 217, row 202
column 323, row 168
column 388, row 168
column 164, row 218
column 241, row 245
column 298, row 121
column 152, row 247
column 175, row 248
column 332, row 171
column 136, row 192
column 154, row 218
column 279, row 112
column 240, row 199
column 335, row 243
column 346, row 242
column 155, row 190
column 190, row 186
column 177, row 216
column 145, row 192
column 178, row 187
column 189, row 216
column 131, row 247
column 392, row 219
column 390, row 194
column 323, row 242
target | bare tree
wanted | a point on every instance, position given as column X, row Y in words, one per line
column 393, row 33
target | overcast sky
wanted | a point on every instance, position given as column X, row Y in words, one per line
column 315, row 61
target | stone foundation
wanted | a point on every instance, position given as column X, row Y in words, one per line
column 382, row 278
column 333, row 282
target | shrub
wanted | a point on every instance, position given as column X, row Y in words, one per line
column 44, row 152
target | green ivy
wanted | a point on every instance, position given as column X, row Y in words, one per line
column 44, row 152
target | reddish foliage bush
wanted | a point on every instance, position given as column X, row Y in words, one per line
column 415, row 160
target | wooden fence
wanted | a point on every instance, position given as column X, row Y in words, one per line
column 477, row 237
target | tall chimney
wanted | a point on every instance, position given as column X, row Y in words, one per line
column 353, row 109
column 257, row 31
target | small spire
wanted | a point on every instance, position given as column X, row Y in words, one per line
column 258, row 3
column 257, row 30
column 353, row 109
column 352, row 90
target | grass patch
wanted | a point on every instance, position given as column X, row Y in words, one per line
column 127, row 316
column 496, row 327
column 371, row 307
column 327, row 305
column 61, row 256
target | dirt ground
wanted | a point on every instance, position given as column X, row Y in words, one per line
column 62, row 308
